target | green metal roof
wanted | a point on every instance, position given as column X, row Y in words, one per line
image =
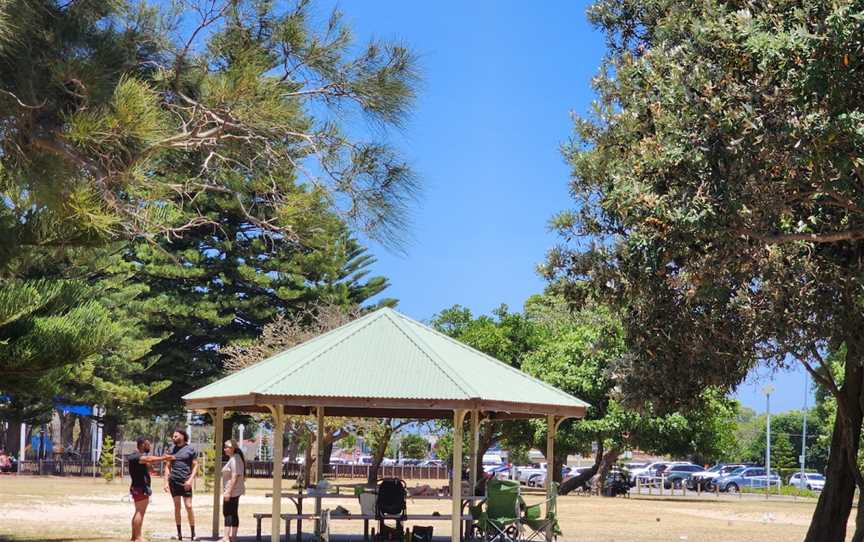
column 386, row 359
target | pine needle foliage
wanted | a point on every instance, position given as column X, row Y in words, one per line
column 100, row 100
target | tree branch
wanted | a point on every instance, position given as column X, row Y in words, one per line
column 21, row 103
column 780, row 238
column 827, row 379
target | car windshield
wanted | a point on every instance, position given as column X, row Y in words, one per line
column 817, row 477
column 716, row 468
column 739, row 470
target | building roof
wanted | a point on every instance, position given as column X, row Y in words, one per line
column 386, row 364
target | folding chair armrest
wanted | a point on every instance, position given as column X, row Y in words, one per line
column 546, row 501
column 532, row 512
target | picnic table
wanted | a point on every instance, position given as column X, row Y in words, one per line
column 298, row 497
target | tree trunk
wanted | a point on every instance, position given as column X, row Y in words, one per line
column 487, row 439
column 859, row 522
column 328, row 451
column 293, row 446
column 109, row 427
column 13, row 437
column 85, row 437
column 378, row 457
column 308, row 459
column 835, row 501
column 606, row 464
column 55, row 430
column 228, row 428
column 582, row 480
column 67, row 430
column 557, row 464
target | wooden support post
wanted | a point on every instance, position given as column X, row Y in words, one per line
column 217, row 467
column 276, row 510
column 456, row 476
column 319, row 461
column 476, row 462
column 551, row 428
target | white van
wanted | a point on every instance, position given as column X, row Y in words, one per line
column 492, row 459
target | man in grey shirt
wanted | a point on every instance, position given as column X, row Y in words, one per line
column 179, row 475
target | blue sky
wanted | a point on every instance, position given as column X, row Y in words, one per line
column 500, row 80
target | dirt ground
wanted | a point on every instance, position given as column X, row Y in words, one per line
column 74, row 509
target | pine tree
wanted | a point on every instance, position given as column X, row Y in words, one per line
column 783, row 456
column 51, row 316
column 131, row 122
column 217, row 287
column 120, row 115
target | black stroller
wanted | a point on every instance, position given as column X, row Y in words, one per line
column 390, row 505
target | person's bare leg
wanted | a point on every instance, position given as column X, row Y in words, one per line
column 177, row 517
column 187, row 502
column 138, row 520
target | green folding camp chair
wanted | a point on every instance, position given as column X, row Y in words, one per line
column 538, row 525
column 498, row 520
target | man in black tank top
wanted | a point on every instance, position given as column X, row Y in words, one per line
column 139, row 489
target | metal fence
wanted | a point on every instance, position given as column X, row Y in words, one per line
column 254, row 469
column 264, row 469
column 659, row 485
column 60, row 467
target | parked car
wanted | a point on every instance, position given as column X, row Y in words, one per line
column 652, row 472
column 754, row 477
column 810, row 480
column 492, row 459
column 501, row 472
column 525, row 472
column 676, row 475
column 635, row 465
column 432, row 463
column 706, row 477
column 539, row 479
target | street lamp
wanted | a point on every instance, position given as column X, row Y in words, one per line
column 768, row 390
column 804, row 431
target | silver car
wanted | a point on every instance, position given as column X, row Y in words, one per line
column 752, row 477
column 810, row 480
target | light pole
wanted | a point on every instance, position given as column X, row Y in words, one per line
column 804, row 432
column 768, row 390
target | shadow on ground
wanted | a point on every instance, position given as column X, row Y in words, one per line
column 307, row 537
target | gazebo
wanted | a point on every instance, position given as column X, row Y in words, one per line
column 383, row 365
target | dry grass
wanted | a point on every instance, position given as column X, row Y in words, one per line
column 61, row 509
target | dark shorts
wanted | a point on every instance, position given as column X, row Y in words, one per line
column 140, row 493
column 177, row 489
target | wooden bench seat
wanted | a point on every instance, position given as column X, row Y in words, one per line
column 262, row 516
column 336, row 517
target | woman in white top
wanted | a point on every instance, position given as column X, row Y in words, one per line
column 233, row 485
